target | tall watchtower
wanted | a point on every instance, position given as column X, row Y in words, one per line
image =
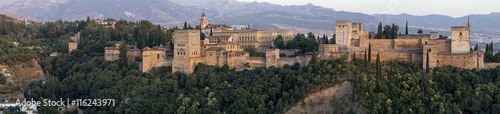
column 460, row 39
column 343, row 31
column 186, row 47
column 203, row 20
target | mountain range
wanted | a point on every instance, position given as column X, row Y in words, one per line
column 260, row 15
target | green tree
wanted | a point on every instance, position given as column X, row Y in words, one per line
column 475, row 47
column 169, row 36
column 159, row 36
column 354, row 56
column 310, row 35
column 51, row 30
column 123, row 60
column 487, row 48
column 88, row 20
column 185, row 25
column 379, row 66
column 333, row 39
column 141, row 38
column 388, row 32
column 279, row 43
column 365, row 59
column 379, row 31
column 427, row 61
column 369, row 53
column 406, row 30
column 314, row 58
column 202, row 35
column 326, row 39
column 394, row 31
column 420, row 31
column 211, row 34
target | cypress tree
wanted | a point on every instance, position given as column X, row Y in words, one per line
column 313, row 59
column 427, row 62
column 123, row 55
column 185, row 25
column 365, row 58
column 354, row 56
column 378, row 65
column 211, row 32
column 487, row 48
column 326, row 39
column 369, row 52
column 141, row 39
column 334, row 39
column 319, row 41
column 379, row 31
column 406, row 30
column 491, row 46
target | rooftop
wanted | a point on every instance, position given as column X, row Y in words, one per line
column 215, row 49
column 225, row 42
column 236, row 52
column 219, row 36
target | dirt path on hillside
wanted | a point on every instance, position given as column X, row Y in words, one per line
column 339, row 99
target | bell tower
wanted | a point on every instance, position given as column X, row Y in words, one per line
column 203, row 20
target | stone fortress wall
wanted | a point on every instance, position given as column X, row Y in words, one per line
column 454, row 51
column 225, row 47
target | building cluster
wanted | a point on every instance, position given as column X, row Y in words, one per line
column 456, row 51
column 225, row 46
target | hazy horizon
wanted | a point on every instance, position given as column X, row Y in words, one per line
column 453, row 8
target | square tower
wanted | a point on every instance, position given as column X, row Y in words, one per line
column 343, row 31
column 460, row 39
column 186, row 47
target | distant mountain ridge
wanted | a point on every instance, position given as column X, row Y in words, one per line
column 260, row 15
column 159, row 11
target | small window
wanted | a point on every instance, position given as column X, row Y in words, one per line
column 425, row 42
column 460, row 33
column 158, row 56
column 429, row 50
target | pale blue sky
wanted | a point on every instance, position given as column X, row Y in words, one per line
column 454, row 8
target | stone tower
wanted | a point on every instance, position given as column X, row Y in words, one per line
column 460, row 39
column 186, row 50
column 272, row 57
column 343, row 31
column 203, row 20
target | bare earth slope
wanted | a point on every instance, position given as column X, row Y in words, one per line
column 334, row 100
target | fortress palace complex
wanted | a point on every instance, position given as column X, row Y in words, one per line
column 226, row 46
column 351, row 38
